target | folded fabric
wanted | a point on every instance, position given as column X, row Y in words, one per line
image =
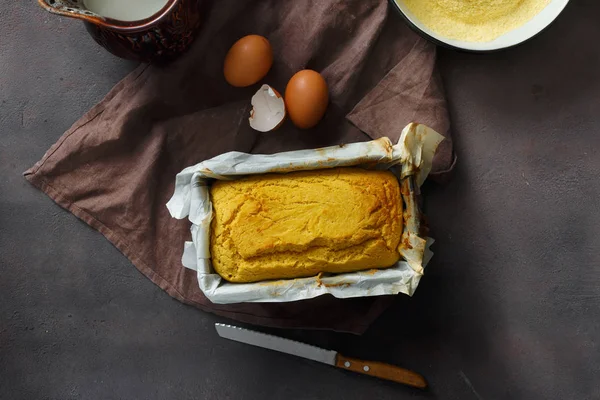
column 115, row 167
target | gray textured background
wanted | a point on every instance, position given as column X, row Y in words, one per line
column 509, row 308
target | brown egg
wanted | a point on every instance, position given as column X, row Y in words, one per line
column 306, row 98
column 248, row 61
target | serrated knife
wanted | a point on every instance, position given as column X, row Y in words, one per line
column 372, row 368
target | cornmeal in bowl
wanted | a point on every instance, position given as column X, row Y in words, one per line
column 474, row 20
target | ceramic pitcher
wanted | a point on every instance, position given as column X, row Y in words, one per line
column 140, row 30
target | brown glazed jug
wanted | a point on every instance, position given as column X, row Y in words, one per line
column 139, row 30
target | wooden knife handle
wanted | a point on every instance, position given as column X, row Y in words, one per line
column 381, row 370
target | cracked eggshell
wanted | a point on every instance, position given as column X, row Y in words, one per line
column 268, row 110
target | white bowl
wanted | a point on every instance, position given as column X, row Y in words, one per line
column 509, row 39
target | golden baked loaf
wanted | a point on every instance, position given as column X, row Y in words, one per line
column 278, row 226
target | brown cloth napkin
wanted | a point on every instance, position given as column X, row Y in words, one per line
column 115, row 168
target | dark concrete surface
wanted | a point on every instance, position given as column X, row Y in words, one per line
column 509, row 308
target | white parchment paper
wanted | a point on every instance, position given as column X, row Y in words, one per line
column 410, row 159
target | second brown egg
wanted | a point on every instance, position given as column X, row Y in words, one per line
column 306, row 98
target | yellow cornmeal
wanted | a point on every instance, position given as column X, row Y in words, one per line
column 475, row 20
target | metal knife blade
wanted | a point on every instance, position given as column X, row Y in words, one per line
column 372, row 368
column 276, row 343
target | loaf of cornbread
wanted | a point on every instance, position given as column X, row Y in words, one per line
column 279, row 226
